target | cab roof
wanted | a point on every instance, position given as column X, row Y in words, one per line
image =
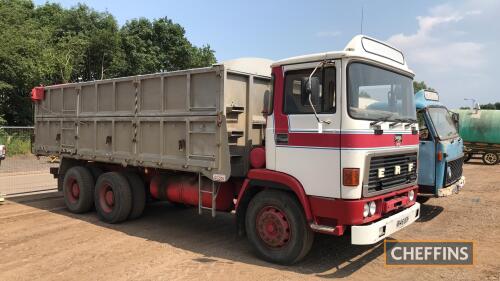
column 361, row 46
column 421, row 101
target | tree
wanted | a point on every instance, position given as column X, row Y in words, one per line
column 491, row 106
column 49, row 44
column 420, row 85
column 160, row 45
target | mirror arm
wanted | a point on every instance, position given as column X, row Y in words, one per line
column 309, row 94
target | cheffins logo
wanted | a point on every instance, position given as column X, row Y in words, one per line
column 428, row 253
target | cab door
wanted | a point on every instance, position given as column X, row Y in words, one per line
column 310, row 149
column 427, row 151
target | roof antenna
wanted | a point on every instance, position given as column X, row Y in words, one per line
column 362, row 17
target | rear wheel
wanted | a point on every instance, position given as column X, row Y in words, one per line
column 77, row 189
column 490, row 158
column 277, row 227
column 138, row 195
column 113, row 197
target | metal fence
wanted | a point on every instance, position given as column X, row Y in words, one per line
column 21, row 172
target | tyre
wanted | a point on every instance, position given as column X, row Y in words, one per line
column 490, row 158
column 277, row 228
column 423, row 199
column 95, row 171
column 78, row 185
column 467, row 157
column 138, row 195
column 113, row 197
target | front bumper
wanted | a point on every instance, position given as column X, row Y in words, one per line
column 453, row 188
column 376, row 231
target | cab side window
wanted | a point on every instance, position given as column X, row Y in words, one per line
column 293, row 88
column 424, row 133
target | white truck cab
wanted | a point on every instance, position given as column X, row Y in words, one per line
column 344, row 125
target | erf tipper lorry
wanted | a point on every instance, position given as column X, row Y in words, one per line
column 291, row 147
column 441, row 148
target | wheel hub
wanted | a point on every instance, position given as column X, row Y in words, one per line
column 75, row 190
column 273, row 227
column 110, row 198
column 491, row 158
column 106, row 198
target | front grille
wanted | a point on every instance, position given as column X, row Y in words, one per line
column 391, row 179
column 456, row 171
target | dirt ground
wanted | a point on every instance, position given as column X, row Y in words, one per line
column 26, row 163
column 26, row 174
column 40, row 239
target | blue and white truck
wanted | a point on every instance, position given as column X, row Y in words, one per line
column 440, row 158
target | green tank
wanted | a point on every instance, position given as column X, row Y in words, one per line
column 481, row 126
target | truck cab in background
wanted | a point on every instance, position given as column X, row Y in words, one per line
column 441, row 148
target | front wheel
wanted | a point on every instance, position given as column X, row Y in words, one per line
column 490, row 158
column 467, row 157
column 277, row 227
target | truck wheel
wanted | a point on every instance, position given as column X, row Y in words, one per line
column 138, row 195
column 467, row 157
column 95, row 171
column 113, row 197
column 490, row 158
column 277, row 228
column 77, row 189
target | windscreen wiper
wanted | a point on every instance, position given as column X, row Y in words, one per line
column 398, row 121
column 403, row 120
column 379, row 121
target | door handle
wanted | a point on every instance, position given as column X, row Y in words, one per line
column 281, row 138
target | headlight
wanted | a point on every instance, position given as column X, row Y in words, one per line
column 411, row 195
column 373, row 208
column 366, row 210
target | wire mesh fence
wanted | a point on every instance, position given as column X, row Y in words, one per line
column 21, row 172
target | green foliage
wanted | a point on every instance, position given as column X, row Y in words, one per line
column 49, row 44
column 16, row 143
column 420, row 85
column 491, row 106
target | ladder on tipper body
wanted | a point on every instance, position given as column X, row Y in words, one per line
column 213, row 194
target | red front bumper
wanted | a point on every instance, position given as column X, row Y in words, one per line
column 340, row 213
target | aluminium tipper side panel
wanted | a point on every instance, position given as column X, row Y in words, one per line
column 167, row 120
column 244, row 100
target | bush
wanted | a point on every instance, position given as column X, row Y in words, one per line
column 15, row 143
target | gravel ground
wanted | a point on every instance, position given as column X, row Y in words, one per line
column 40, row 239
column 26, row 164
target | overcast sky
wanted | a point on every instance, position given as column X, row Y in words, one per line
column 452, row 45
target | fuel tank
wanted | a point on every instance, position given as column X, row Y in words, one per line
column 183, row 188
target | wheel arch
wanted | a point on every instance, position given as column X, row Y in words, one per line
column 261, row 179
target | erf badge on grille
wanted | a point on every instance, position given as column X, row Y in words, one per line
column 398, row 139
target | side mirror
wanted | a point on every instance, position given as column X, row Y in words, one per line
column 268, row 103
column 424, row 134
column 310, row 87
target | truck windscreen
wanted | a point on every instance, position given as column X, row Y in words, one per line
column 443, row 124
column 375, row 93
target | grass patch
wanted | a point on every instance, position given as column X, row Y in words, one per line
column 17, row 144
